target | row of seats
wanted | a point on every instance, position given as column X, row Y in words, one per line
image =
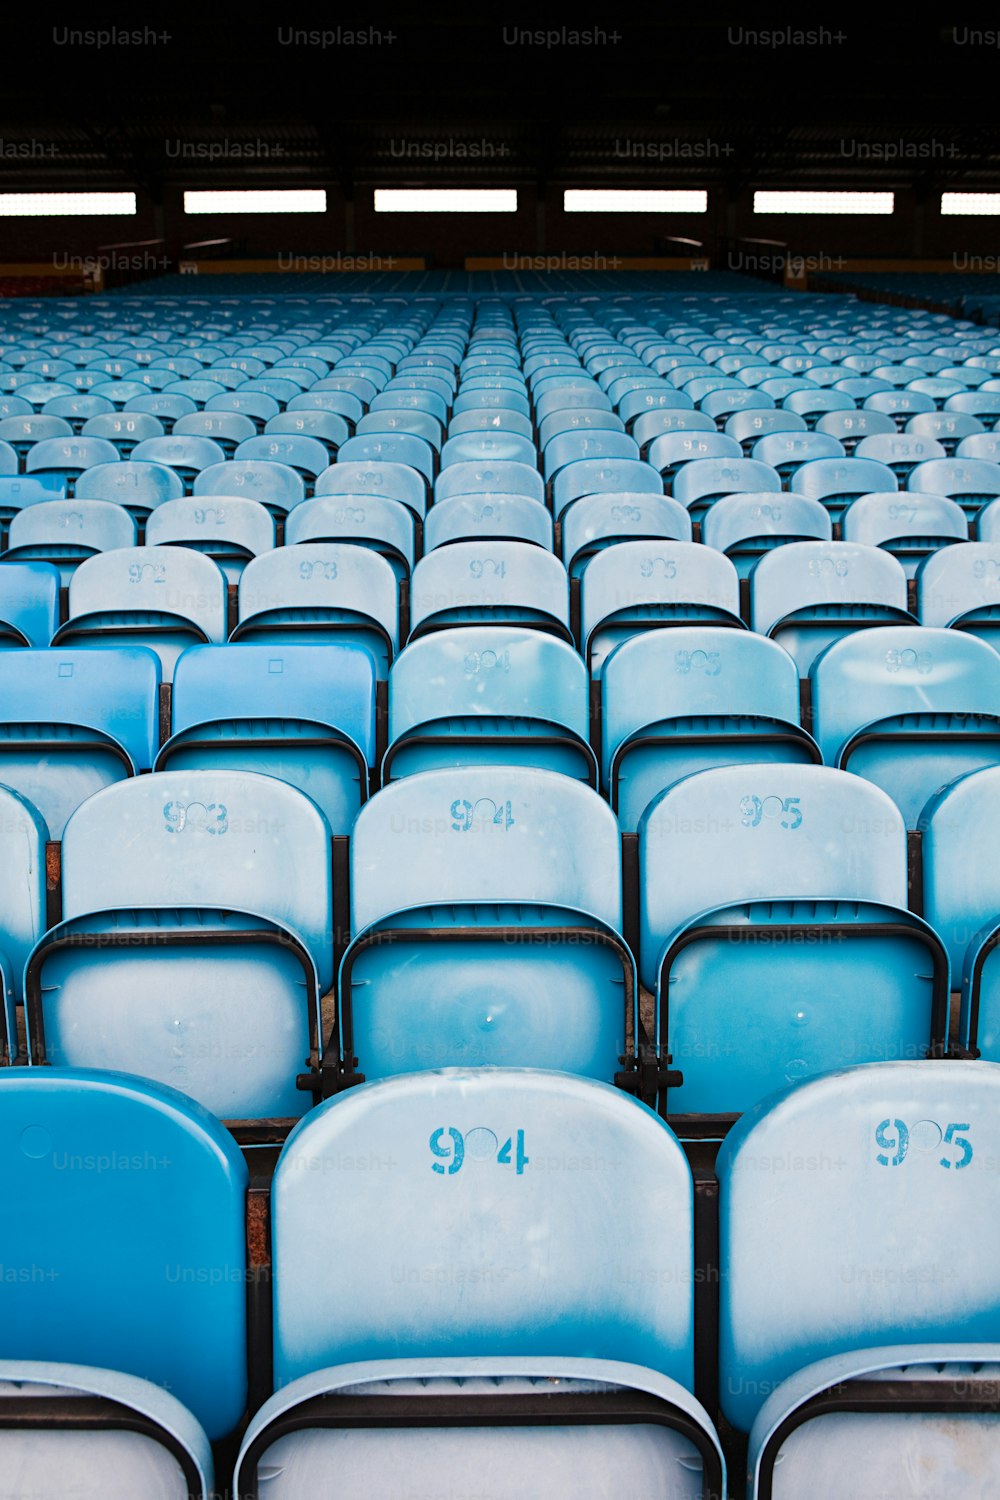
column 804, row 595
column 486, row 924
column 496, row 1271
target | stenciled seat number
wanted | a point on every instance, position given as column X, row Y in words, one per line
column 895, row 1138
column 448, row 1145
column 466, row 814
column 754, row 810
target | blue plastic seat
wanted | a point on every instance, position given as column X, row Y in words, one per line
column 163, row 597
column 812, row 403
column 305, row 714
column 501, row 886
column 77, row 409
column 124, row 429
column 719, row 403
column 139, row 487
column 671, row 450
column 23, row 912
column 806, row 595
column 503, row 477
column 327, row 427
column 489, row 448
column 900, row 451
column 305, row 456
column 390, row 481
column 638, row 586
column 64, row 532
column 748, row 426
column 339, row 403
column 860, row 1304
column 315, row 593
column 72, row 722
column 987, row 523
column 982, row 445
column 838, row 481
column 503, row 583
column 910, row 525
column 29, row 603
column 745, row 526
column 962, row 901
column 699, row 484
column 258, row 405
column 947, row 427
column 972, row 482
column 196, row 939
column 513, row 518
column 386, row 526
column 229, row 530
column 908, row 709
column 390, row 448
column 496, row 695
column 187, row 456
column 591, row 476
column 560, row 1320
column 21, row 433
column 982, row 404
column 149, row 1280
column 501, row 421
column 662, row 420
column 405, row 397
column 227, row 428
column 587, row 445
column 599, row 521
column 275, row 485
column 68, row 457
column 786, row 947
column 849, row 426
column 787, row 451
column 685, row 700
column 585, row 420
column 962, row 590
column 469, row 398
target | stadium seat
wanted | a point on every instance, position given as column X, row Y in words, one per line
column 497, row 695
column 187, row 456
column 163, row 597
column 273, row 484
column 689, row 699
column 64, row 532
column 787, row 451
column 390, row 448
column 304, row 455
column 504, row 477
column 596, row 522
column 859, row 1296
column 501, row 886
column 638, row 586
column 949, row 428
column 698, row 484
column 196, row 940
column 230, row 531
column 512, row 518
column 305, row 714
column 554, row 1409
column 139, row 487
column 586, row 445
column 594, row 477
column 900, row 452
column 672, row 450
column 909, row 709
column 132, row 1218
column 910, row 525
column 29, row 603
column 786, row 949
column 972, row 482
column 836, row 482
column 327, row 427
column 68, row 458
column 72, row 722
column 315, row 593
column 807, row 594
column 21, row 433
column 745, row 526
column 850, row 426
column 227, row 428
column 125, row 429
column 960, row 587
column 747, row 426
column 385, row 526
column 512, row 583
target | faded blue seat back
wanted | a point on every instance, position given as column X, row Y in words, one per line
column 500, row 477
column 491, row 694
column 392, row 481
column 321, row 592
column 132, row 1200
column 64, row 532
column 466, row 518
column 598, row 521
column 909, row 709
column 165, row 598
column 683, row 700
column 786, row 948
column 838, row 481
column 638, row 586
column 501, row 886
column 139, row 486
column 595, row 476
column 305, row 714
column 197, row 936
column 972, row 482
column 489, row 582
column 275, row 485
column 29, row 603
column 230, row 531
column 872, row 1196
column 72, row 722
column 960, row 587
column 385, row 526
column 808, row 594
column 744, row 526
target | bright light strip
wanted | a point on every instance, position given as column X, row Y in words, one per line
column 257, row 201
column 53, row 205
column 446, row 200
column 769, row 202
column 635, row 201
column 970, row 203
